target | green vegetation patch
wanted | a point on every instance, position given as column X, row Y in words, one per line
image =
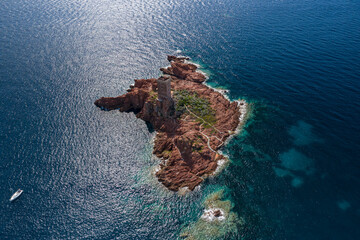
column 166, row 154
column 153, row 96
column 196, row 104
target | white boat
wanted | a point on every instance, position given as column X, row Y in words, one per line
column 16, row 195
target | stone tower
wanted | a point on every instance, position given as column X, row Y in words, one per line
column 164, row 88
column 165, row 104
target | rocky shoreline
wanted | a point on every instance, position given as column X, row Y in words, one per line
column 187, row 142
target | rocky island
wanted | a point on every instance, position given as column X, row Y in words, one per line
column 192, row 121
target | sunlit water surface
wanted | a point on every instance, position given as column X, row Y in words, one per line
column 88, row 174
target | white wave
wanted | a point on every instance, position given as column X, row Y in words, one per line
column 183, row 190
column 209, row 215
column 243, row 109
column 221, row 163
column 156, row 169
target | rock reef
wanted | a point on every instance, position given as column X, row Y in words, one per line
column 187, row 144
column 218, row 220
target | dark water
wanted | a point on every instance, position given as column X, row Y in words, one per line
column 87, row 174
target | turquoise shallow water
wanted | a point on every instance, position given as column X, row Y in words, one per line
column 87, row 173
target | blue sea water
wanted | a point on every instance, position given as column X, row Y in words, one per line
column 88, row 174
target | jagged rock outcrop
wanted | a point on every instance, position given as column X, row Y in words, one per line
column 187, row 148
column 182, row 70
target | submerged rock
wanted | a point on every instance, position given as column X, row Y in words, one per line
column 217, row 222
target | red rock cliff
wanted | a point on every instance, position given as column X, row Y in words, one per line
column 189, row 152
